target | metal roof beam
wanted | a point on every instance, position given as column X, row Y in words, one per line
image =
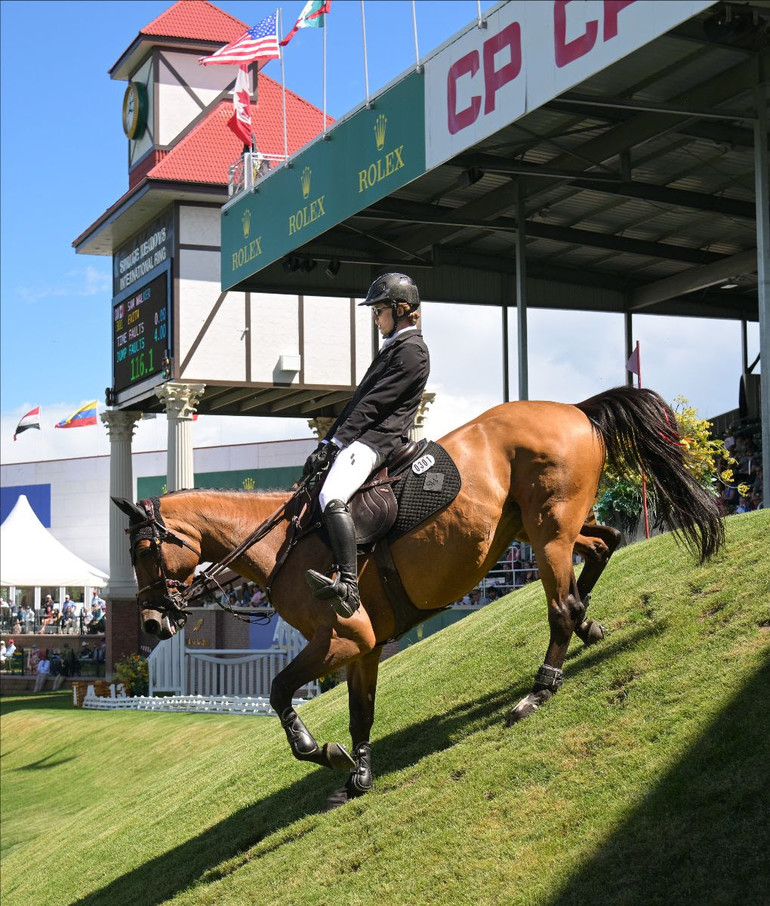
column 432, row 214
column 692, row 280
column 732, row 207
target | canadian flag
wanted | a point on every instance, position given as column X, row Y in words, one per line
column 240, row 121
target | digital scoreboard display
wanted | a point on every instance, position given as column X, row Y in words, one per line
column 140, row 334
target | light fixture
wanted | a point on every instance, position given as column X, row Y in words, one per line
column 731, row 283
column 332, row 268
column 469, row 177
column 291, row 264
column 308, row 265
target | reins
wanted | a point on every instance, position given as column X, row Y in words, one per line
column 178, row 594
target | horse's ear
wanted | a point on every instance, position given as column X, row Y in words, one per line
column 134, row 513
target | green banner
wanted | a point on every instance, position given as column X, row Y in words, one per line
column 367, row 157
column 277, row 478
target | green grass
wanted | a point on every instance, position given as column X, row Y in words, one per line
column 644, row 781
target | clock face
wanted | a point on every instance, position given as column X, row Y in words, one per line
column 135, row 110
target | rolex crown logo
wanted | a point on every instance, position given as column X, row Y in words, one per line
column 379, row 131
column 306, row 174
column 249, row 484
column 246, row 221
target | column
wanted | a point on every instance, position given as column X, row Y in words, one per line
column 417, row 431
column 180, row 401
column 320, row 425
column 122, row 633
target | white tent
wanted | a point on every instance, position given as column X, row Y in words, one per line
column 30, row 556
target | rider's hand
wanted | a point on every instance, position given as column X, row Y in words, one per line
column 320, row 458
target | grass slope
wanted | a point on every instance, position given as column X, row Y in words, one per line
column 644, row 781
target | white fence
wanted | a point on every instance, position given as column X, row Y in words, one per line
column 174, row 668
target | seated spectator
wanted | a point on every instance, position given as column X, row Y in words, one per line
column 43, row 672
column 98, row 620
column 257, row 597
column 744, row 505
column 27, row 618
column 67, row 618
column 2, row 655
column 10, row 650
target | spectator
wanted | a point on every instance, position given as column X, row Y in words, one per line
column 257, row 597
column 67, row 619
column 10, row 650
column 98, row 619
column 43, row 672
column 27, row 618
column 85, row 618
column 34, row 658
column 97, row 600
column 2, row 655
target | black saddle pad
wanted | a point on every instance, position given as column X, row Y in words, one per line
column 431, row 483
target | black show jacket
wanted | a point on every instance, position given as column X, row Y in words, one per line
column 383, row 408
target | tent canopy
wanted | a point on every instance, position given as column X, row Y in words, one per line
column 30, row 556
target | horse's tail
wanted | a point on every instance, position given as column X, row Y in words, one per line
column 640, row 433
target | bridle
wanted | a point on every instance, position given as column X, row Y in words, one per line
column 155, row 530
column 176, row 594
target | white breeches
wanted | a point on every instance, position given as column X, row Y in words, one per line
column 349, row 471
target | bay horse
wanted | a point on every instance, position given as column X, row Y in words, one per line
column 529, row 470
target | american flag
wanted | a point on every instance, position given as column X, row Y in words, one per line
column 258, row 43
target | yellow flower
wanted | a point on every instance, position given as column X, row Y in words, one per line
column 727, row 475
column 743, row 490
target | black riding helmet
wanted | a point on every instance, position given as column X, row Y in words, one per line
column 393, row 288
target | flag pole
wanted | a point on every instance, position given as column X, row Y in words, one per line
column 416, row 48
column 283, row 89
column 366, row 64
column 644, row 475
column 324, row 26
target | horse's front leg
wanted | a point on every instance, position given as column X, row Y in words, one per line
column 325, row 653
column 565, row 613
column 362, row 688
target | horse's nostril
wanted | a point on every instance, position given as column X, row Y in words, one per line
column 152, row 627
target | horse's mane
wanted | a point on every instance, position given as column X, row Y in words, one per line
column 257, row 492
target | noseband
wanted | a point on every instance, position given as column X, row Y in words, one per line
column 154, row 530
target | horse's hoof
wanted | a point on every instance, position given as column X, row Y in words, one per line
column 337, row 757
column 591, row 632
column 528, row 705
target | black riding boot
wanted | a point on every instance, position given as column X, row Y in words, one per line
column 342, row 590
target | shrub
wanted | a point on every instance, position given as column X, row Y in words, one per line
column 133, row 672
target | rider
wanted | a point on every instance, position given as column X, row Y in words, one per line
column 373, row 424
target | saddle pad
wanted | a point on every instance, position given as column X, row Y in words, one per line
column 421, row 495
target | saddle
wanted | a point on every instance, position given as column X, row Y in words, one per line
column 374, row 507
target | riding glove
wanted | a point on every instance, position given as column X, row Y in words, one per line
column 323, row 456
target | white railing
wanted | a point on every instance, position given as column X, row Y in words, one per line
column 244, row 173
column 174, row 668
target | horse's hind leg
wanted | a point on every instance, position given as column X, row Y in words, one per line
column 362, row 687
column 596, row 543
column 565, row 613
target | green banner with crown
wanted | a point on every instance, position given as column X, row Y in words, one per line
column 366, row 157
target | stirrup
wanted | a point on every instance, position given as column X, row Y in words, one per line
column 343, row 596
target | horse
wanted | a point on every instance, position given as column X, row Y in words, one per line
column 529, row 470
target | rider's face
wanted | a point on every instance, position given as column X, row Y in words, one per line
column 383, row 318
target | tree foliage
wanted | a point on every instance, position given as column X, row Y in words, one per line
column 620, row 492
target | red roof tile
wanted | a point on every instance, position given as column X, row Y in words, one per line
column 204, row 155
column 196, row 20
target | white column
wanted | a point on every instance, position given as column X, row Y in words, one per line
column 418, row 429
column 180, row 401
column 120, row 429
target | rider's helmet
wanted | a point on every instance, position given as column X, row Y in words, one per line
column 393, row 288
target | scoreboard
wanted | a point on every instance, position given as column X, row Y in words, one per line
column 140, row 335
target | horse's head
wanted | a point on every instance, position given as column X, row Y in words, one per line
column 164, row 562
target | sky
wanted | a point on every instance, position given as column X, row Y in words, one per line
column 63, row 162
